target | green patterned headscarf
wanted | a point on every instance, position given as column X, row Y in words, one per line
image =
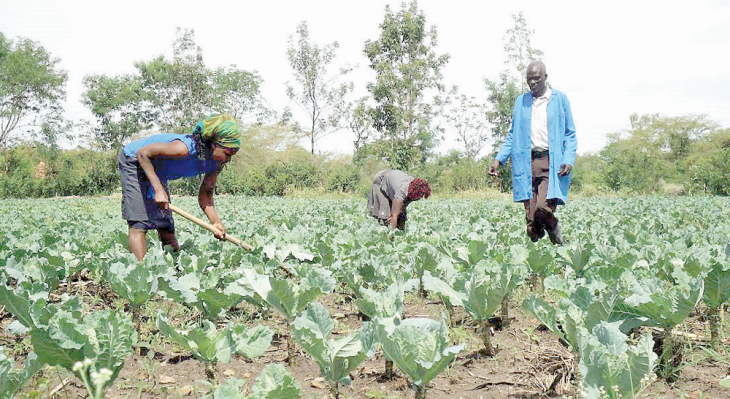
column 222, row 129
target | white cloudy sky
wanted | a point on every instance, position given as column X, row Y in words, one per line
column 611, row 58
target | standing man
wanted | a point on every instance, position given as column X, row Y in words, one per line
column 542, row 145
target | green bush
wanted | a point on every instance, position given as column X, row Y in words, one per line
column 712, row 174
column 33, row 170
column 343, row 178
column 37, row 171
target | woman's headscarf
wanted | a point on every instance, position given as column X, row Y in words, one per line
column 221, row 128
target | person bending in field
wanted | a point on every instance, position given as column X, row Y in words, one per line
column 390, row 194
column 542, row 144
column 146, row 165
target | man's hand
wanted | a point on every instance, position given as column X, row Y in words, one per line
column 494, row 168
column 564, row 170
column 222, row 229
column 162, row 200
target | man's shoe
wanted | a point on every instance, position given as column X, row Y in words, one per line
column 556, row 236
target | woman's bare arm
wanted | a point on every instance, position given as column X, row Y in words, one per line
column 145, row 155
column 205, row 199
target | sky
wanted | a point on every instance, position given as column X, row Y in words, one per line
column 611, row 59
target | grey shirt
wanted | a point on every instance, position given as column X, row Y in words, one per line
column 395, row 184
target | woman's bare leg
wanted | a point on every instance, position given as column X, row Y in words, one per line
column 168, row 238
column 138, row 242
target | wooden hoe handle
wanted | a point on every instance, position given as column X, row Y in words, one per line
column 210, row 227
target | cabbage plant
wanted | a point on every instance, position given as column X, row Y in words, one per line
column 274, row 382
column 211, row 346
column 62, row 335
column 336, row 357
column 664, row 304
column 480, row 291
column 383, row 305
column 287, row 297
column 419, row 347
column 12, row 380
column 717, row 291
column 613, row 369
column 134, row 281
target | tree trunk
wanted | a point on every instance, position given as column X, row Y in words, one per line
column 314, row 125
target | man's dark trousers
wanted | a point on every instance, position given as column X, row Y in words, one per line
column 540, row 212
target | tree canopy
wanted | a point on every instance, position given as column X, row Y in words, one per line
column 170, row 95
column 408, row 70
column 32, row 87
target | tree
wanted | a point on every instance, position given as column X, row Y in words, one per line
column 179, row 91
column 320, row 94
column 511, row 83
column 673, row 136
column 501, row 98
column 659, row 148
column 31, row 85
column 518, row 48
column 407, row 68
column 238, row 93
column 468, row 118
column 360, row 122
column 171, row 95
column 118, row 104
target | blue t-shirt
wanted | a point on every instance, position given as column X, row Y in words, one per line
column 171, row 169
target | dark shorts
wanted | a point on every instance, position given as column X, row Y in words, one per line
column 161, row 225
column 140, row 212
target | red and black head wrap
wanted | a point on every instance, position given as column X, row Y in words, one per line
column 418, row 189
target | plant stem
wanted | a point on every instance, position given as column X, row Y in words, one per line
column 65, row 392
column 85, row 380
column 335, row 389
column 505, row 307
column 137, row 325
column 210, row 371
column 389, row 370
column 421, row 392
column 671, row 357
column 290, row 361
column 487, row 334
column 714, row 317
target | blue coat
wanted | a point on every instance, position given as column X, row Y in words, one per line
column 561, row 141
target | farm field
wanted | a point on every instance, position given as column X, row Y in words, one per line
column 633, row 304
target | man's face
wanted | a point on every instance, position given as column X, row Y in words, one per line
column 536, row 78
